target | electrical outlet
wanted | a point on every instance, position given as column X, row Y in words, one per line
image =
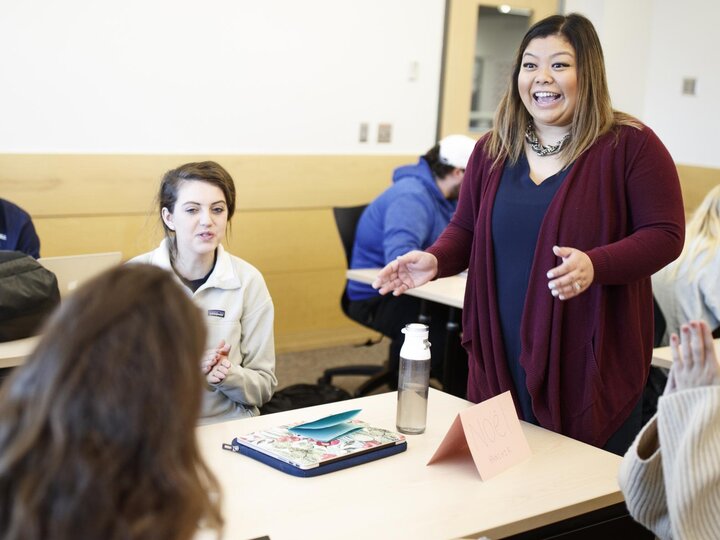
column 363, row 135
column 384, row 133
column 688, row 87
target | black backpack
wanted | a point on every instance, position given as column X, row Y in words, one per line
column 28, row 294
column 298, row 396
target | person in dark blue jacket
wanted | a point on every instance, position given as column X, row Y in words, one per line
column 17, row 232
column 408, row 215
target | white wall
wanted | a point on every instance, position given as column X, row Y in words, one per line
column 684, row 44
column 624, row 30
column 650, row 46
column 218, row 76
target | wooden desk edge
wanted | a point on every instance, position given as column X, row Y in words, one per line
column 14, row 353
column 550, row 517
column 658, row 361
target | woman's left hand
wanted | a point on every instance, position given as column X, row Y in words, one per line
column 574, row 276
column 219, row 372
column 217, row 365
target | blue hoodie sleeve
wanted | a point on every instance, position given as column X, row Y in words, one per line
column 408, row 224
column 28, row 241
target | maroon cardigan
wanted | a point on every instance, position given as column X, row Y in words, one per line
column 586, row 359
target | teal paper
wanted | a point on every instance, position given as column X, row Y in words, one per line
column 328, row 428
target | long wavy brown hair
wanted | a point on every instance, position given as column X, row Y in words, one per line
column 593, row 116
column 97, row 429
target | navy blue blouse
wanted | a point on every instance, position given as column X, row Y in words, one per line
column 518, row 212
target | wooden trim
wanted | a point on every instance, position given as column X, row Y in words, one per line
column 459, row 58
column 104, row 185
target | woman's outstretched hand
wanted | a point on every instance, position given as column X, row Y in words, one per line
column 411, row 270
column 694, row 360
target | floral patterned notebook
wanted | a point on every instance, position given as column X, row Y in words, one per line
column 306, row 453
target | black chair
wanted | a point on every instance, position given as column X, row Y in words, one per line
column 657, row 378
column 346, row 220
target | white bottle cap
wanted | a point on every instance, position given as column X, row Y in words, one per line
column 416, row 330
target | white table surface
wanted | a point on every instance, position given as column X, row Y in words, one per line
column 13, row 353
column 399, row 496
column 662, row 358
column 449, row 291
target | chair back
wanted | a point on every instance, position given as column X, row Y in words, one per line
column 660, row 324
column 346, row 220
column 72, row 270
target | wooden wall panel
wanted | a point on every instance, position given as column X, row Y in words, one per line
column 72, row 235
column 283, row 224
column 127, row 184
column 287, row 240
column 696, row 182
column 307, row 310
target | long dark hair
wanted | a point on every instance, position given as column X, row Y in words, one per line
column 97, row 435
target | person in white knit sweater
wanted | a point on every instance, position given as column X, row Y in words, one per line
column 671, row 474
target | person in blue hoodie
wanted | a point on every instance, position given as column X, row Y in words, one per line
column 408, row 215
column 17, row 232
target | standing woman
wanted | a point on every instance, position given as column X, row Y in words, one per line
column 197, row 202
column 568, row 207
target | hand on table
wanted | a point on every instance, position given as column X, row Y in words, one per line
column 411, row 270
column 574, row 276
column 693, row 358
column 216, row 365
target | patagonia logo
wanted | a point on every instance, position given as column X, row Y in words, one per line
column 216, row 313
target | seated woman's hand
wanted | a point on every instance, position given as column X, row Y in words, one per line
column 411, row 270
column 694, row 360
column 219, row 372
column 216, row 365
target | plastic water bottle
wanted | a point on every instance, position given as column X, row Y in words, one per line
column 413, row 380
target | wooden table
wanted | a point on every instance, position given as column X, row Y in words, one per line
column 401, row 497
column 449, row 291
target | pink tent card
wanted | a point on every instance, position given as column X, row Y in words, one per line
column 491, row 432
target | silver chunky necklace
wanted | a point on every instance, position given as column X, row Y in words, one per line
column 548, row 150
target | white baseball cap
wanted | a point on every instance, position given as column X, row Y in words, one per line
column 455, row 150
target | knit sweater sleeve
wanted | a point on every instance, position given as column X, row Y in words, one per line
column 676, row 491
column 654, row 199
column 642, row 483
column 689, row 431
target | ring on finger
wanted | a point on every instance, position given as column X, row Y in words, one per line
column 577, row 286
